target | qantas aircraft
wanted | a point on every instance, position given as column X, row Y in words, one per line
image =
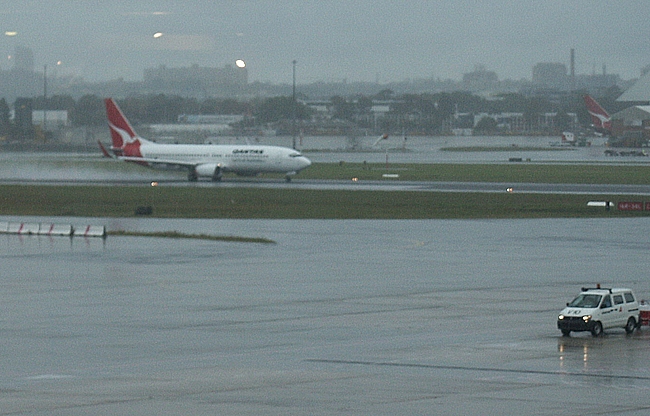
column 599, row 117
column 209, row 160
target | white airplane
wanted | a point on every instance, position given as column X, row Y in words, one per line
column 207, row 160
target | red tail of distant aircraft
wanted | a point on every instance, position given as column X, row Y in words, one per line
column 600, row 118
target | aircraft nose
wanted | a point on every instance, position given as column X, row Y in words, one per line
column 304, row 162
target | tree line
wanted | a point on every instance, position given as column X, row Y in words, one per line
column 424, row 112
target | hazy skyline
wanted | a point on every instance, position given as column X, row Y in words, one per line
column 332, row 40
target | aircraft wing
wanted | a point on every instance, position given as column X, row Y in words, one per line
column 157, row 161
column 151, row 161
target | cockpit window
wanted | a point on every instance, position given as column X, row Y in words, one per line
column 295, row 155
column 586, row 301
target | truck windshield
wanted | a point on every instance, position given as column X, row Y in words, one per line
column 586, row 301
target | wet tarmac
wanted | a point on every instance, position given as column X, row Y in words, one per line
column 337, row 317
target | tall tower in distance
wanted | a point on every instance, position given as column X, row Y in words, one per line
column 573, row 69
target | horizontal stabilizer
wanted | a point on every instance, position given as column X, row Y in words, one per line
column 104, row 150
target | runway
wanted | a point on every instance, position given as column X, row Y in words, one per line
column 90, row 169
column 422, row 186
column 350, row 185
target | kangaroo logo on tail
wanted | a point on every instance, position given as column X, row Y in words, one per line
column 600, row 118
column 125, row 141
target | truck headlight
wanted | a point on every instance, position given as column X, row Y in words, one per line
column 586, row 318
column 560, row 317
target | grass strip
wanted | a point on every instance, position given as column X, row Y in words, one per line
column 179, row 235
column 514, row 172
column 264, row 203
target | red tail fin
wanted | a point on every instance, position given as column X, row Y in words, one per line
column 125, row 140
column 599, row 117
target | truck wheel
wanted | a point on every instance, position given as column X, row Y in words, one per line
column 631, row 324
column 566, row 332
column 597, row 330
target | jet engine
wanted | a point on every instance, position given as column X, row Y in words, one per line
column 212, row 170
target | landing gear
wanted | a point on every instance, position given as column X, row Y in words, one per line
column 287, row 178
column 192, row 176
column 217, row 174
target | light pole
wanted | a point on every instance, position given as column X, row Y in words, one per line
column 44, row 100
column 293, row 103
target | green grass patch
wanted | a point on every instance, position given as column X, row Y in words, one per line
column 262, row 203
column 507, row 173
column 222, row 202
column 179, row 235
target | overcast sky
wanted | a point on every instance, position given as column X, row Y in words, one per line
column 332, row 40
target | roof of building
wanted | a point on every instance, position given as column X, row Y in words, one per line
column 639, row 91
column 637, row 112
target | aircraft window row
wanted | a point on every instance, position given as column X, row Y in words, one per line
column 182, row 155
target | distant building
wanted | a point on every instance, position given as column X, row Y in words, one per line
column 508, row 122
column 21, row 80
column 516, row 122
column 551, row 75
column 639, row 91
column 198, row 125
column 632, row 124
column 480, row 79
column 52, row 119
column 596, row 83
column 210, row 118
column 321, row 108
column 22, row 114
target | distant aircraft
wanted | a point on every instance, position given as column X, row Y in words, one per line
column 208, row 160
column 599, row 117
